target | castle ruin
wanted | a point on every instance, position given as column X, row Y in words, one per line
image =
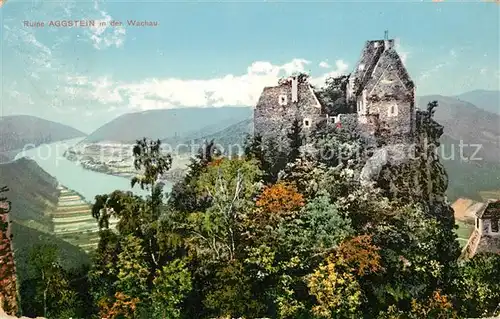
column 379, row 86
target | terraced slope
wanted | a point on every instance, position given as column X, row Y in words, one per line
column 73, row 222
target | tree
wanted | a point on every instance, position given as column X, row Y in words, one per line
column 319, row 228
column 53, row 291
column 8, row 284
column 437, row 306
column 333, row 95
column 183, row 196
column 295, row 139
column 149, row 160
column 336, row 285
column 170, row 287
column 120, row 306
column 229, row 186
column 479, row 286
column 133, row 270
column 278, row 202
column 253, row 148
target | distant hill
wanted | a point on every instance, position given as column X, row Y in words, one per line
column 466, row 122
column 484, row 99
column 17, row 131
column 468, row 178
column 32, row 191
column 230, row 138
column 177, row 124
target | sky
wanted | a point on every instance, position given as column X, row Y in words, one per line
column 222, row 53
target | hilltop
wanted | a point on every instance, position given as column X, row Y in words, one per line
column 17, row 131
column 463, row 121
column 177, row 124
column 488, row 100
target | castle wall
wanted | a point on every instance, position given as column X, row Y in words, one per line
column 488, row 244
column 274, row 120
column 393, row 102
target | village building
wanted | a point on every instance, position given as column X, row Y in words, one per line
column 380, row 86
column 486, row 234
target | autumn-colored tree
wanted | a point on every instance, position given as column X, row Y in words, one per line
column 279, row 201
column 437, row 306
column 336, row 283
column 119, row 307
column 360, row 255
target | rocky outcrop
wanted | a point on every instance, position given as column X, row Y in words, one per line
column 390, row 154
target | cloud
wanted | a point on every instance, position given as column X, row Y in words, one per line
column 340, row 68
column 324, row 64
column 102, row 35
column 153, row 93
column 403, row 52
column 449, row 59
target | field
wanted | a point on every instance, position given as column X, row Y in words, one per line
column 493, row 194
column 463, row 232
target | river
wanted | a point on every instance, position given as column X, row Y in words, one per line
column 70, row 174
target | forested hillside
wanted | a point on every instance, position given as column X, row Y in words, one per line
column 32, row 189
column 18, row 131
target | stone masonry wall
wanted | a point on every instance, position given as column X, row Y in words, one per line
column 387, row 91
column 274, row 120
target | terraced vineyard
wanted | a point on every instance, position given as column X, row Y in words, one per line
column 73, row 222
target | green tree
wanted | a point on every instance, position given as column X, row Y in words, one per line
column 133, row 271
column 333, row 95
column 170, row 287
column 295, row 140
column 229, row 186
column 183, row 196
column 53, row 291
column 479, row 286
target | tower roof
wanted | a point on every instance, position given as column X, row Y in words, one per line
column 373, row 52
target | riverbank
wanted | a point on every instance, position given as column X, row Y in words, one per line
column 117, row 160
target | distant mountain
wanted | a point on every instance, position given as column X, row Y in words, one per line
column 177, row 124
column 466, row 122
column 17, row 131
column 230, row 138
column 467, row 178
column 484, row 99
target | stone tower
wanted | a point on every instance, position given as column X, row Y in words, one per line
column 383, row 92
